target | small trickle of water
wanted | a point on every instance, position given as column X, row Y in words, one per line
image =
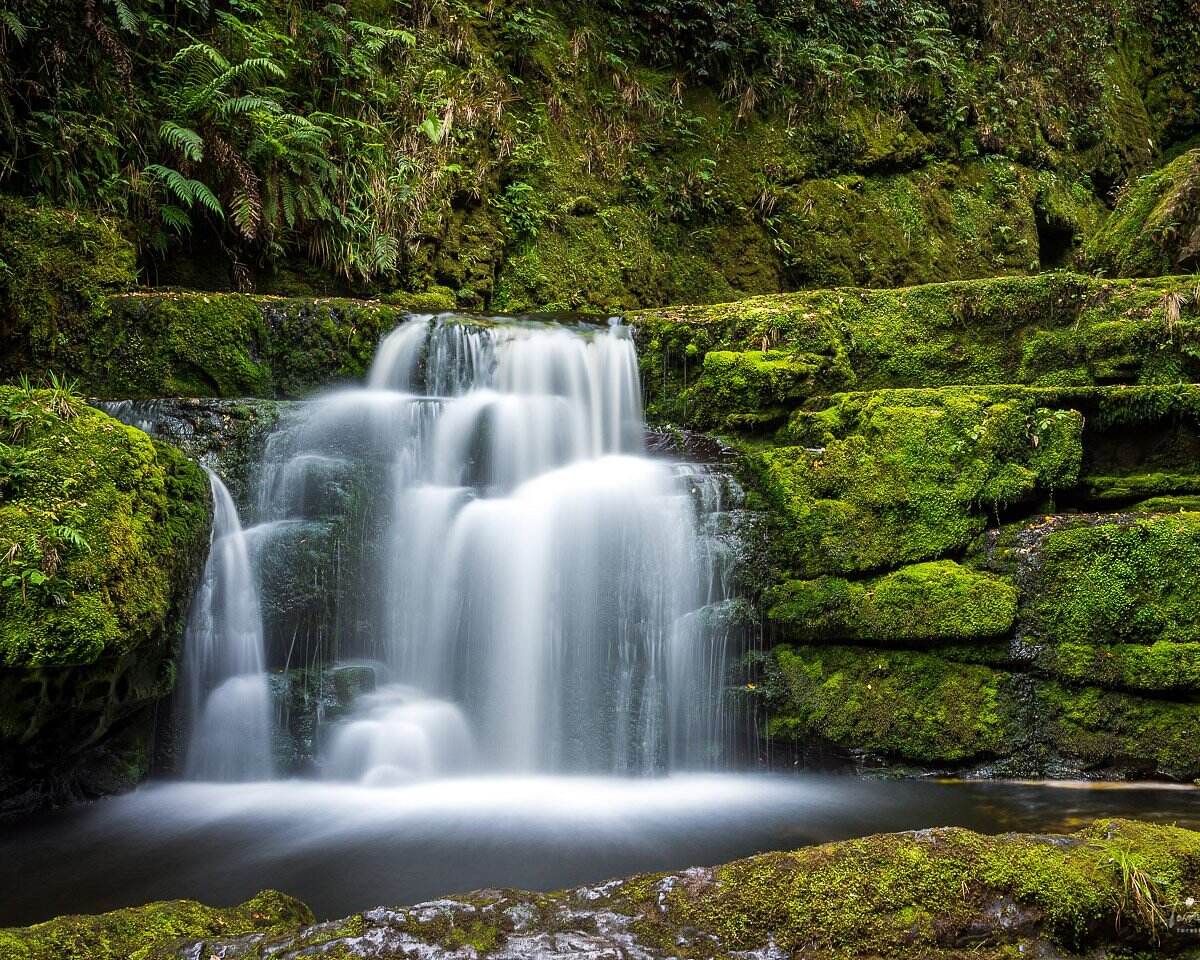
column 227, row 701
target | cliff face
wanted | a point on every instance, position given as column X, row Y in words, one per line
column 981, row 515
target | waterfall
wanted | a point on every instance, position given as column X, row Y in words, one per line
column 481, row 521
column 227, row 702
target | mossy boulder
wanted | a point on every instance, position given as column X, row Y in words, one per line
column 1114, row 888
column 1122, row 582
column 102, row 534
column 1155, row 228
column 899, row 705
column 152, row 931
column 934, row 709
column 939, row 601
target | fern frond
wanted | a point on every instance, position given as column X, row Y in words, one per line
column 187, row 141
column 248, row 103
column 130, row 22
column 175, row 218
column 9, row 21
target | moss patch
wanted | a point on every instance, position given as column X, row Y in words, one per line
column 925, row 602
column 102, row 531
column 913, row 706
column 1155, row 228
column 890, row 478
column 140, row 933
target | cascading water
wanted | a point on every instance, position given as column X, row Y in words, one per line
column 482, row 522
column 227, row 701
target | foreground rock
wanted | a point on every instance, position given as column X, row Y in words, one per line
column 1116, row 888
column 140, row 932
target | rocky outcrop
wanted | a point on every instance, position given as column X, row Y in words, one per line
column 1155, row 228
column 1114, row 888
column 102, row 534
column 979, row 517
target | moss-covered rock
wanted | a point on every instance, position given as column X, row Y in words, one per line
column 102, row 533
column 892, row 477
column 1155, row 228
column 899, row 705
column 1055, row 329
column 935, row 710
column 142, row 933
column 1118, row 583
column 219, row 345
column 1114, row 888
column 923, row 603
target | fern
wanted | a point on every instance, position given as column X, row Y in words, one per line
column 130, row 22
column 188, row 142
column 187, row 191
column 9, row 21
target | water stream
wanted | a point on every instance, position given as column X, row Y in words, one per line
column 226, row 700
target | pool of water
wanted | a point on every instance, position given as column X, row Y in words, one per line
column 342, row 848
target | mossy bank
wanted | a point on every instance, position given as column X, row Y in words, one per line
column 102, row 534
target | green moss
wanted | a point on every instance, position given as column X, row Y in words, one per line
column 98, row 528
column 1132, row 582
column 139, row 933
column 926, row 602
column 1164, row 666
column 57, row 269
column 1107, row 730
column 1155, row 228
column 221, row 345
column 926, row 708
column 892, row 477
column 765, row 382
column 914, row 706
column 917, row 895
column 1054, row 330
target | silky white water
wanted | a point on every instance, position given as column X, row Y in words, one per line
column 226, row 699
column 482, row 522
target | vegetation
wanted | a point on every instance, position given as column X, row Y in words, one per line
column 607, row 155
column 97, row 528
column 102, row 533
column 1156, row 226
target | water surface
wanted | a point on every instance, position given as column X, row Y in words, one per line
column 343, row 847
